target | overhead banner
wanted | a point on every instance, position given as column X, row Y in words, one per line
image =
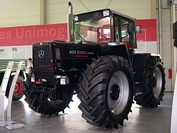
column 28, row 35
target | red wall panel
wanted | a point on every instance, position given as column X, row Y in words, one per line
column 148, row 30
column 28, row 35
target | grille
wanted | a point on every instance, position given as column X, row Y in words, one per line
column 42, row 57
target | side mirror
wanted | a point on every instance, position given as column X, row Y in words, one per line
column 138, row 29
column 131, row 28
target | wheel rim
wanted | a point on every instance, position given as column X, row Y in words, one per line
column 18, row 88
column 157, row 81
column 118, row 92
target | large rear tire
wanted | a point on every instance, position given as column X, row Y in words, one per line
column 154, row 83
column 44, row 105
column 106, row 92
column 18, row 90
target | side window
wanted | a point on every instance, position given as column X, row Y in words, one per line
column 124, row 30
column 116, row 30
column 121, row 32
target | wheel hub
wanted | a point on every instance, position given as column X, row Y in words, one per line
column 114, row 93
column 18, row 88
column 118, row 92
column 154, row 81
column 157, row 82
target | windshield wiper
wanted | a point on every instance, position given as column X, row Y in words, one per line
column 83, row 38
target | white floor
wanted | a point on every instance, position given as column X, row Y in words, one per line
column 141, row 120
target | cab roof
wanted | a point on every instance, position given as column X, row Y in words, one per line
column 99, row 14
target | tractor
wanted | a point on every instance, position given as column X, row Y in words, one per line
column 98, row 62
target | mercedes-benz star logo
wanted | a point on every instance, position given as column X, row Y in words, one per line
column 41, row 54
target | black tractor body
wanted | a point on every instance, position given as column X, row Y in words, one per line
column 99, row 64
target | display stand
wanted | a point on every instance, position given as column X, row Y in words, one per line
column 174, row 110
column 12, row 125
column 3, row 91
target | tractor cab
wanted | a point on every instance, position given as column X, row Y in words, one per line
column 105, row 27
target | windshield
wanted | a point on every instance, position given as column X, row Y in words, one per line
column 97, row 30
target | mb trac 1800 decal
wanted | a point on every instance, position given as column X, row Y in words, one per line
column 81, row 54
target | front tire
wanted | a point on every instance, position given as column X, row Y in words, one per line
column 106, row 92
column 154, row 83
column 43, row 104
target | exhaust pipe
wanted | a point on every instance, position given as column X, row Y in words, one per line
column 70, row 24
column 70, row 8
